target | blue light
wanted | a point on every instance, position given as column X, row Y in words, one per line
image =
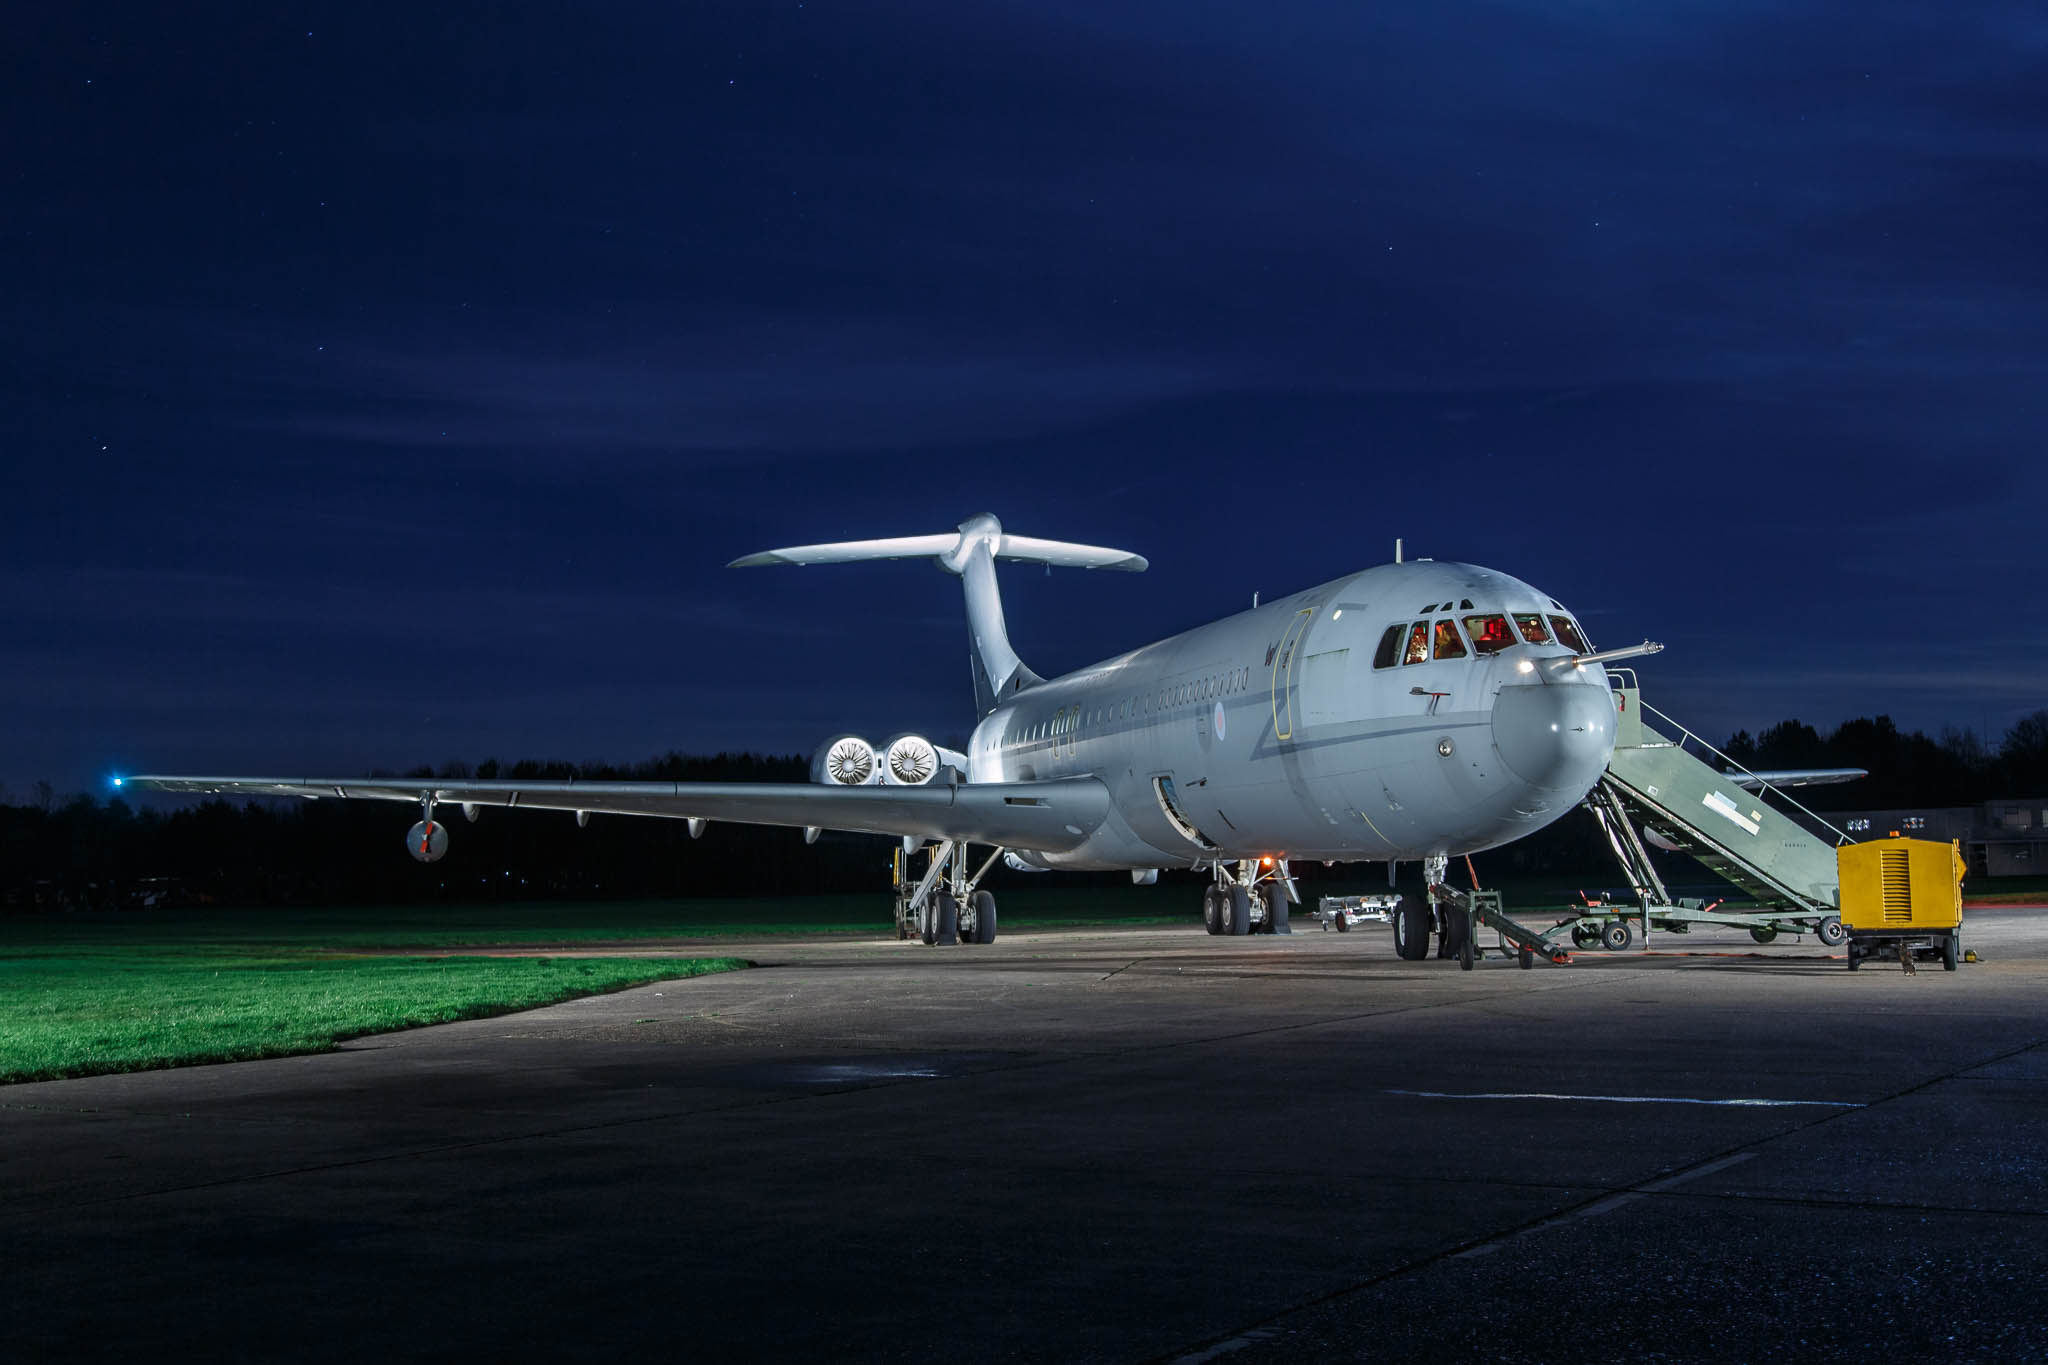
column 117, row 781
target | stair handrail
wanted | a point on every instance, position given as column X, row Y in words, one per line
column 1762, row 784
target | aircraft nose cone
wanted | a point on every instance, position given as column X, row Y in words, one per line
column 1558, row 737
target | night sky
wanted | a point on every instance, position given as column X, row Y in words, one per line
column 388, row 384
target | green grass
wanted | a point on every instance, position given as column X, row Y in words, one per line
column 84, row 996
column 90, row 994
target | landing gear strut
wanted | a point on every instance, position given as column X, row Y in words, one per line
column 945, row 905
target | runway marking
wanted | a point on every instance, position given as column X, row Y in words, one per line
column 1224, row 1348
column 1629, row 1099
column 1607, row 1205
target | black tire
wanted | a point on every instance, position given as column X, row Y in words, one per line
column 984, row 917
column 1830, row 931
column 927, row 918
column 1854, row 956
column 1343, row 923
column 1616, row 935
column 1952, row 951
column 1466, row 948
column 1411, row 930
column 1763, row 935
column 1584, row 936
column 946, row 922
column 1453, row 932
column 1528, row 960
column 1276, row 911
column 1240, row 911
column 1212, row 911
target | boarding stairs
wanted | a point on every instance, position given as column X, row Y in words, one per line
column 1660, row 789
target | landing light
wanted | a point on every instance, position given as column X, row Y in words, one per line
column 1265, row 862
column 117, row 781
column 1525, row 667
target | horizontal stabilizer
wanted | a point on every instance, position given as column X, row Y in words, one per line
column 950, row 549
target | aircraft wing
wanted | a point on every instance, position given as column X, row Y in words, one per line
column 1794, row 777
column 1041, row 816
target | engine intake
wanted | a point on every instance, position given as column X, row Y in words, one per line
column 846, row 761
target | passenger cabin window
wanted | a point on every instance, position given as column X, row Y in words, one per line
column 1389, row 652
column 1448, row 643
column 1568, row 635
column 1418, row 644
column 1531, row 626
column 1490, row 634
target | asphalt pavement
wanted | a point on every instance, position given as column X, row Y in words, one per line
column 1105, row 1144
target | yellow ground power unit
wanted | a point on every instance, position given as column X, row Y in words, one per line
column 1902, row 896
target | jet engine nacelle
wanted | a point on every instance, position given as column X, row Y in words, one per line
column 910, row 761
column 427, row 841
column 846, row 761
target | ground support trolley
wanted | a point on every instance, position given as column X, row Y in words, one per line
column 1903, row 898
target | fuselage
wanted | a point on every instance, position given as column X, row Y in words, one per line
column 1417, row 709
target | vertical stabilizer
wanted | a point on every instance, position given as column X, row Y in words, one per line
column 971, row 554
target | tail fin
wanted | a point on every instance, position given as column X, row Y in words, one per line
column 971, row 554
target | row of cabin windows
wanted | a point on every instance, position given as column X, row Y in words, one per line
column 1200, row 689
column 1489, row 632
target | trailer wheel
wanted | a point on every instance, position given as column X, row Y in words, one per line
column 1584, row 936
column 1452, row 932
column 1763, row 935
column 1528, row 960
column 1830, row 931
column 1950, row 951
column 1855, row 957
column 1616, row 936
column 1343, row 923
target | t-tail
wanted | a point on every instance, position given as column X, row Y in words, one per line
column 971, row 553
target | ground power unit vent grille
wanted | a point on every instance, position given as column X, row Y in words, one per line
column 1895, row 885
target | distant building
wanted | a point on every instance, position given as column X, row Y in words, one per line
column 1999, row 838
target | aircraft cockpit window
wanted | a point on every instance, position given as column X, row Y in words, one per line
column 1568, row 634
column 1389, row 652
column 1428, row 609
column 1418, row 644
column 1490, row 633
column 1532, row 628
column 1465, row 605
column 1449, row 645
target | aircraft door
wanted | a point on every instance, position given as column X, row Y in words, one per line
column 1283, row 674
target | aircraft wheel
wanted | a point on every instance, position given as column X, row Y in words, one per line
column 1212, row 916
column 1411, row 930
column 1951, row 951
column 946, row 920
column 1452, row 933
column 1276, row 911
column 1238, row 910
column 1616, row 936
column 1830, row 931
column 984, row 917
column 1763, row 935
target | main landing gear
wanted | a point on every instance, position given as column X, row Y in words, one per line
column 1249, row 896
column 945, row 905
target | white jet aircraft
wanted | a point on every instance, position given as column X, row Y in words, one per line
column 1413, row 711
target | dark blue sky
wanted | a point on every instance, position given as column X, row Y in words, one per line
column 388, row 384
